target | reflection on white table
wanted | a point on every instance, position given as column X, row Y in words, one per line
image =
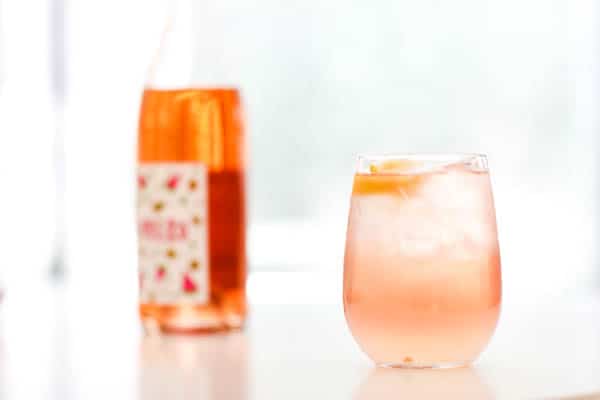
column 83, row 342
column 460, row 383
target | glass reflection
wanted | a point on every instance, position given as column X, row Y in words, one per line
column 460, row 383
column 194, row 367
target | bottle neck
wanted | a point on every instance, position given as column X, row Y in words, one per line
column 192, row 49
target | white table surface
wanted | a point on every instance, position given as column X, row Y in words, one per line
column 84, row 342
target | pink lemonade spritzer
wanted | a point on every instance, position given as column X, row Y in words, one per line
column 422, row 282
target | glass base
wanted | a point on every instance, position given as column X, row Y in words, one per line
column 411, row 365
column 153, row 327
column 182, row 319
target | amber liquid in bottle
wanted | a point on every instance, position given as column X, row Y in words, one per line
column 203, row 125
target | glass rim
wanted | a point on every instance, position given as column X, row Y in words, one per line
column 432, row 161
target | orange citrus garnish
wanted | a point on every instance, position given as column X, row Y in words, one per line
column 393, row 166
column 388, row 177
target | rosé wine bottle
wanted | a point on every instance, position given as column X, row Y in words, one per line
column 191, row 191
column 422, row 283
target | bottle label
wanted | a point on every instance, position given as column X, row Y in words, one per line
column 172, row 233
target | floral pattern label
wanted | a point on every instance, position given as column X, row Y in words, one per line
column 172, row 233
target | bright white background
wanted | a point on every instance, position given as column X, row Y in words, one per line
column 323, row 81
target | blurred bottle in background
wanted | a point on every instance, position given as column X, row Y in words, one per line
column 31, row 99
column 191, row 194
column 58, row 9
column 1, row 82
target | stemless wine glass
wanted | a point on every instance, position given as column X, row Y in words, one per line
column 422, row 282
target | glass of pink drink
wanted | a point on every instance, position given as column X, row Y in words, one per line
column 422, row 282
